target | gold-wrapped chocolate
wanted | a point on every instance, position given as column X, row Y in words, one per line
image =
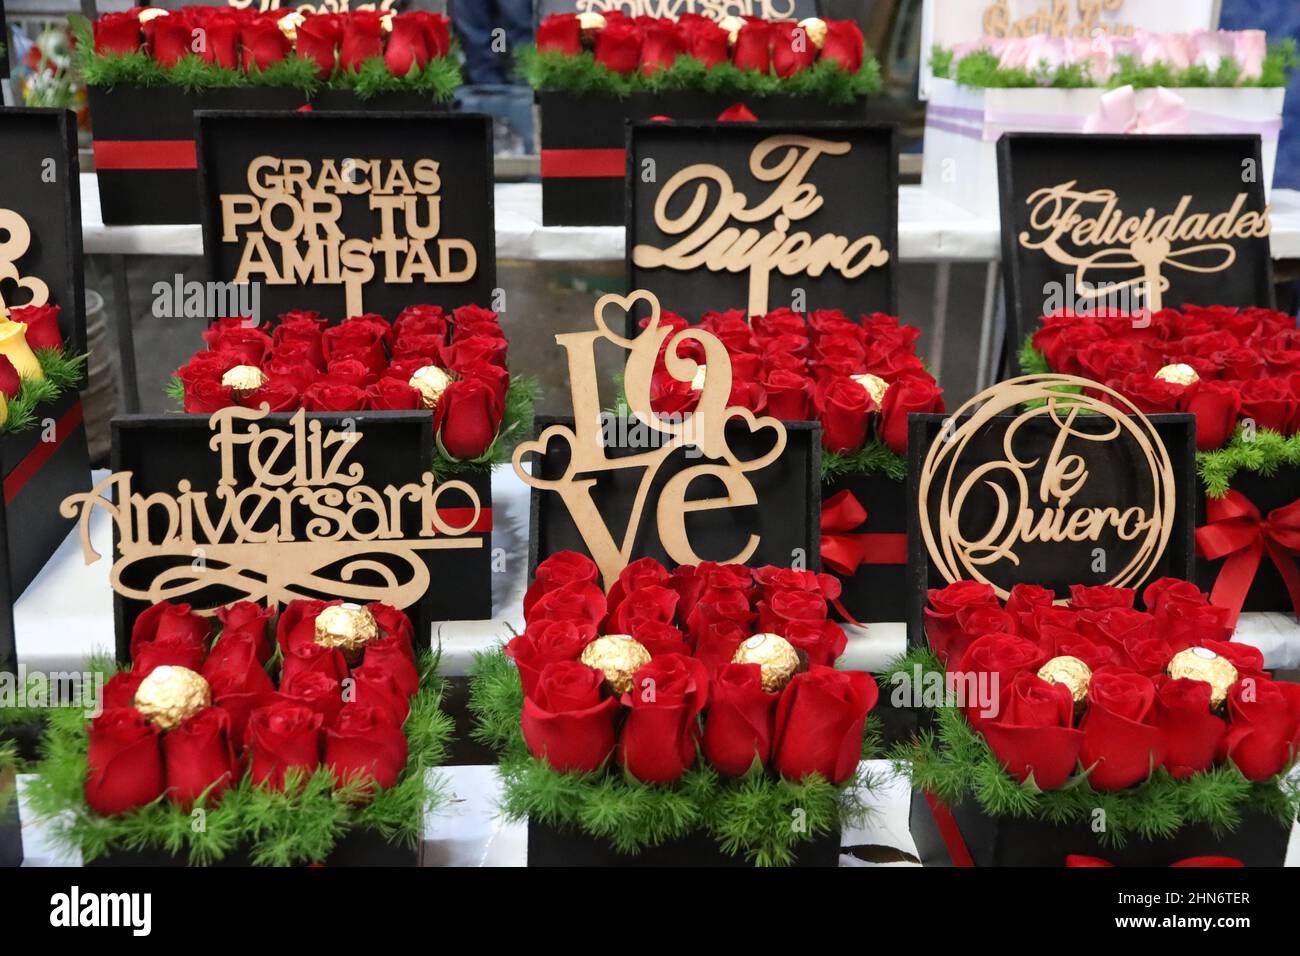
column 590, row 20
column 1071, row 672
column 1201, row 663
column 349, row 627
column 732, row 24
column 430, row 382
column 150, row 13
column 775, row 656
column 243, row 380
column 171, row 695
column 875, row 386
column 701, row 373
column 618, row 657
column 815, row 28
column 1178, row 374
column 289, row 24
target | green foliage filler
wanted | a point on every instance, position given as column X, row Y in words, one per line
column 748, row 816
column 8, row 767
column 438, row 80
column 954, row 763
column 298, row 825
column 580, row 75
column 873, row 458
column 61, row 371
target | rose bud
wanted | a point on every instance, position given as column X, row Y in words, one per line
column 821, row 642
column 409, row 44
column 326, row 396
column 174, row 650
column 318, row 39
column 1264, row 727
column 738, row 727
column 908, row 394
column 124, row 767
column 565, row 720
column 349, row 371
column 119, row 690
column 277, row 396
column 1216, row 406
column 10, row 382
column 364, row 745
column 233, row 336
column 1192, row 734
column 117, row 33
column 167, row 621
column 391, row 394
column 792, row 49
column 1100, row 597
column 205, row 397
column 199, row 758
column 661, row 44
column 545, row 642
column 844, row 407
column 791, row 396
column 561, row 568
column 651, row 604
column 992, row 662
column 392, row 655
column 618, row 46
column 560, row 33
column 641, row 573
column 312, row 657
column 661, row 731
column 263, row 42
column 843, row 44
column 375, row 685
column 317, row 692
column 42, row 323
column 705, row 40
column 753, row 46
column 283, row 737
column 169, row 37
column 362, row 39
column 1033, row 732
column 467, row 418
column 659, row 639
column 1120, row 736
column 820, row 720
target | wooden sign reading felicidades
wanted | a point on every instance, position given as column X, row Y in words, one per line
column 349, row 213
column 713, row 464
column 762, row 216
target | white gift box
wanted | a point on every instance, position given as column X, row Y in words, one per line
column 963, row 125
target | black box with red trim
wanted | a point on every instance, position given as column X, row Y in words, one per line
column 348, row 101
column 869, row 556
column 354, row 848
column 145, row 158
column 548, row 846
column 583, row 140
column 965, row 835
column 11, row 831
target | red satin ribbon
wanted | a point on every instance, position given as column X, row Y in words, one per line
column 1236, row 532
column 459, row 517
column 842, row 552
column 949, row 832
column 145, row 154
column 1194, row 861
column 35, row 459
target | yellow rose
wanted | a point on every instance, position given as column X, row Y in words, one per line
column 4, row 410
column 14, row 347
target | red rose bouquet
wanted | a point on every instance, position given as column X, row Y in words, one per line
column 325, row 705
column 617, row 54
column 688, row 685
column 451, row 362
column 35, row 365
column 1059, row 707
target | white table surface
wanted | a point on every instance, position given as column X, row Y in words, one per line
column 930, row 229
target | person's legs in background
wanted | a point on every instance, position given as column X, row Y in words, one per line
column 474, row 21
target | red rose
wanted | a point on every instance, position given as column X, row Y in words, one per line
column 783, row 608
column 819, row 723
column 546, row 642
column 301, row 327
column 705, row 40
column 1248, row 660
column 221, row 37
column 1152, row 396
column 1270, row 402
column 618, row 46
column 10, row 383
column 318, row 39
column 738, row 728
column 574, row 601
column 395, row 624
column 999, row 656
column 476, row 320
column 659, row 639
column 358, row 340
column 1149, row 656
column 1216, row 406
column 313, row 657
column 790, row 396
column 119, row 690
column 565, row 722
column 843, row 44
column 251, row 344
column 641, row 573
column 420, row 320
column 294, row 373
column 560, row 33
column 42, row 323
column 234, row 666
column 264, row 43
column 363, row 745
column 661, row 44
column 905, row 395
column 659, row 737
column 1185, row 625
column 845, row 406
column 199, row 756
column 728, row 606
column 362, row 38
column 1166, row 593
column 1100, row 597
column 326, row 396
column 1116, row 626
column 124, row 767
column 1264, row 727
column 283, row 737
column 277, row 396
column 174, row 650
column 773, row 579
column 647, row 605
column 1120, row 736
column 792, row 49
column 318, row 692
column 463, row 352
column 206, row 396
column 1192, row 734
column 169, row 37
column 427, row 347
column 392, row 656
column 821, row 642
column 410, row 44
column 297, row 624
column 167, row 621
column 117, row 33
column 561, row 568
column 946, row 636
column 349, row 371
column 391, row 394
column 467, row 418
column 1033, row 732
column 375, row 685
column 753, row 46
column 1025, row 597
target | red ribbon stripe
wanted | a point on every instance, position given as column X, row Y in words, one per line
column 139, row 154
column 35, row 459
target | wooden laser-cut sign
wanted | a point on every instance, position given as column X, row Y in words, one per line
column 705, row 430
column 751, row 215
column 15, row 244
column 349, row 213
column 713, row 9
column 279, row 507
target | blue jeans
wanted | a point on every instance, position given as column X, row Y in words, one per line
column 474, row 21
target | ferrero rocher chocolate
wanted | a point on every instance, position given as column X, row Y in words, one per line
column 289, row 24
column 1071, row 672
column 171, row 695
column 1178, row 374
column 775, row 656
column 430, row 382
column 875, row 386
column 150, row 13
column 591, row 20
column 349, row 627
column 815, row 27
column 1201, row 663
column 244, row 380
column 732, row 25
column 618, row 657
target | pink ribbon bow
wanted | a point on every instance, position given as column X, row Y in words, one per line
column 1118, row 113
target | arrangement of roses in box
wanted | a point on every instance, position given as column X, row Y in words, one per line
column 249, row 41
column 1221, row 364
column 859, row 379
column 453, row 363
column 34, row 366
column 1095, row 686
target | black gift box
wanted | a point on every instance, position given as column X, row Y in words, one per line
column 1259, row 840
column 460, row 588
column 548, row 846
column 145, row 157
column 402, row 102
column 877, row 591
column 582, row 143
column 355, row 848
column 1266, row 492
column 37, row 476
column 11, row 836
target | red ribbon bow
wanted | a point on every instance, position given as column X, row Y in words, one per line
column 1235, row 531
column 735, row 113
column 842, row 552
column 1215, row 861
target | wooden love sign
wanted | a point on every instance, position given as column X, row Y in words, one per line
column 710, row 478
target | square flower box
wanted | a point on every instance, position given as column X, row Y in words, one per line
column 548, row 846
column 11, row 834
column 355, row 848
